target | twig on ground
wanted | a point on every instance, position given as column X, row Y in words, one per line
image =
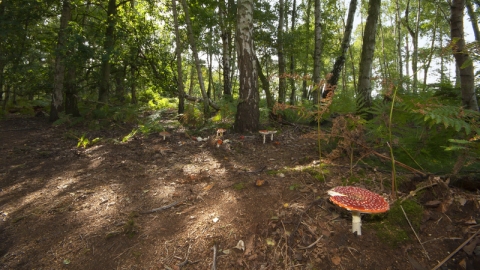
column 214, row 264
column 420, row 242
column 455, row 251
column 161, row 208
column 414, row 192
column 257, row 171
column 312, row 244
column 186, row 257
column 125, row 251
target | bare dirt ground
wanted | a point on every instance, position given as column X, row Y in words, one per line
column 63, row 207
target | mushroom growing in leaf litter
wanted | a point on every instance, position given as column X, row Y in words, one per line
column 358, row 200
column 164, row 134
column 264, row 133
column 271, row 132
column 220, row 132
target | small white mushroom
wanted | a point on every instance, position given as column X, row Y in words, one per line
column 271, row 132
column 220, row 132
column 164, row 134
column 264, row 133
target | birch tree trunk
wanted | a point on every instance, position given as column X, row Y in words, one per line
column 398, row 30
column 282, row 82
column 462, row 59
column 317, row 53
column 364, row 91
column 248, row 114
column 414, row 35
column 307, row 54
column 178, row 52
column 59, row 76
column 292, row 55
column 473, row 20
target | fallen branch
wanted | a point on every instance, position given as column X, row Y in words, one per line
column 414, row 192
column 405, row 166
column 161, row 208
column 214, row 264
column 455, row 251
column 409, row 223
column 312, row 244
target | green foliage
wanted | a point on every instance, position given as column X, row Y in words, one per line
column 294, row 186
column 239, row 186
column 315, row 173
column 84, row 142
column 129, row 135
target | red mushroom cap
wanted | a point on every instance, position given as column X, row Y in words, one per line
column 358, row 199
column 264, row 132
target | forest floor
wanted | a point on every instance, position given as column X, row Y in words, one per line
column 63, row 207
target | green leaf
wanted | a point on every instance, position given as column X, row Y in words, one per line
column 467, row 63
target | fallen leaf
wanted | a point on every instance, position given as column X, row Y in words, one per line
column 240, row 245
column 270, row 242
column 259, row 182
column 208, row 187
column 336, row 260
column 226, row 251
column 434, row 203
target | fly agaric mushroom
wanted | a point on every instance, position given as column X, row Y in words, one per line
column 358, row 200
column 164, row 134
column 220, row 132
column 264, row 133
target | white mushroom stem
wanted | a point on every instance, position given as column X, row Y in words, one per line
column 356, row 222
column 271, row 138
column 164, row 137
column 264, row 135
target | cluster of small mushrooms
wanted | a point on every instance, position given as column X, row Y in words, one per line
column 358, row 200
column 267, row 132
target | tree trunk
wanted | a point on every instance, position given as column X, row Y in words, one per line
column 226, row 36
column 473, row 20
column 317, row 53
column 307, row 54
column 265, row 85
column 198, row 66
column 462, row 59
column 414, row 35
column 71, row 101
column 364, row 91
column 133, row 85
column 248, row 114
column 282, row 82
column 178, row 52
column 108, row 46
column 340, row 61
column 398, row 30
column 292, row 55
column 61, row 52
column 432, row 50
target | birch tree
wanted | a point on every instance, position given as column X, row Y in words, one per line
column 462, row 58
column 248, row 114
column 364, row 91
